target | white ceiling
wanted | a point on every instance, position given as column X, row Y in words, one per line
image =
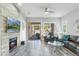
column 37, row 9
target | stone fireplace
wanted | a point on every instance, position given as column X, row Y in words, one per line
column 12, row 44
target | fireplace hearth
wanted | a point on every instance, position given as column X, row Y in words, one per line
column 12, row 44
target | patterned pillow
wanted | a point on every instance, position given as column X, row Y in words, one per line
column 73, row 38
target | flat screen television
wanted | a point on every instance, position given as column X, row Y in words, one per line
column 13, row 25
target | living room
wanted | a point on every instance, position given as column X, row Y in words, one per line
column 59, row 24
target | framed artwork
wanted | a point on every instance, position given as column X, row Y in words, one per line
column 64, row 28
column 77, row 25
column 13, row 25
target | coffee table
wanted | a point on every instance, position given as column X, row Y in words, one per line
column 56, row 45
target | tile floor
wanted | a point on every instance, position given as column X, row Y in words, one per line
column 39, row 48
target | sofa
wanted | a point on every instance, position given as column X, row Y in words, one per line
column 71, row 42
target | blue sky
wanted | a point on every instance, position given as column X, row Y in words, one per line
column 12, row 21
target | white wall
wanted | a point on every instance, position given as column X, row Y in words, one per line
column 23, row 30
column 69, row 20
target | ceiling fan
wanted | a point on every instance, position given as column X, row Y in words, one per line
column 48, row 10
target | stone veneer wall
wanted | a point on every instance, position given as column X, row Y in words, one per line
column 7, row 10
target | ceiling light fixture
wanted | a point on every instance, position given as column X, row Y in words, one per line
column 46, row 12
column 19, row 3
